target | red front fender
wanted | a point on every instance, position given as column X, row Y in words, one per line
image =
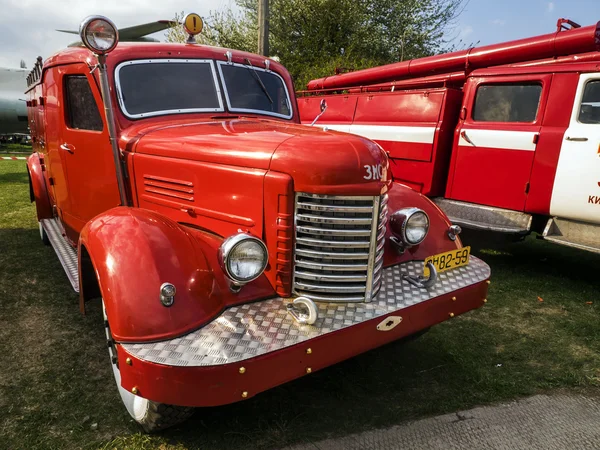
column 437, row 240
column 135, row 251
column 38, row 190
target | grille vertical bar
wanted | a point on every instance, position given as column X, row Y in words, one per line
column 339, row 247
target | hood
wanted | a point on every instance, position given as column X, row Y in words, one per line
column 318, row 160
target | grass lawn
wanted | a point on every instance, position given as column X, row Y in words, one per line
column 15, row 149
column 538, row 333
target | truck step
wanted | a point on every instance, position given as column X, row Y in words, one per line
column 581, row 235
column 480, row 217
column 66, row 254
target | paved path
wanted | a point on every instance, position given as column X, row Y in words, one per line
column 561, row 422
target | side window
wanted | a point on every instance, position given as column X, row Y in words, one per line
column 507, row 102
column 81, row 109
column 589, row 112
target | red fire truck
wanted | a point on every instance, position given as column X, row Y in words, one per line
column 504, row 137
column 233, row 248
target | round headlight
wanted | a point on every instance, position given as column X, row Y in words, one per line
column 99, row 34
column 417, row 226
column 410, row 225
column 243, row 257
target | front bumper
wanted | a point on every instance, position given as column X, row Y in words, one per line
column 253, row 347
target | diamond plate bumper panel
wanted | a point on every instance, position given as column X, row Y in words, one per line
column 581, row 235
column 250, row 330
column 480, row 217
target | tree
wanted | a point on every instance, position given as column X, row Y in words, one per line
column 313, row 37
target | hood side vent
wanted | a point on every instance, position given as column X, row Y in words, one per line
column 169, row 187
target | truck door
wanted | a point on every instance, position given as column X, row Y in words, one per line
column 86, row 147
column 54, row 158
column 496, row 139
column 576, row 189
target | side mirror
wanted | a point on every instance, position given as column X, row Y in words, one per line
column 323, row 107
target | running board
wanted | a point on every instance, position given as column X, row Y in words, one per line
column 581, row 235
column 66, row 254
column 480, row 217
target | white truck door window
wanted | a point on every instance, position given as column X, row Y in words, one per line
column 576, row 190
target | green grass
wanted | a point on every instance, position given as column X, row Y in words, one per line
column 15, row 149
column 55, row 378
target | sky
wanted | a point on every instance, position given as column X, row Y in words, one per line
column 485, row 22
column 27, row 27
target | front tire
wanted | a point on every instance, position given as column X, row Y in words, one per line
column 152, row 416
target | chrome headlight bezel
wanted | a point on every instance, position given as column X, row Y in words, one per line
column 229, row 245
column 400, row 221
column 90, row 21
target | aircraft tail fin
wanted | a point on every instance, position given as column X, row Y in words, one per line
column 135, row 33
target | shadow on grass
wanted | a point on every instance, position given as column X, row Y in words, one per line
column 533, row 257
column 14, row 177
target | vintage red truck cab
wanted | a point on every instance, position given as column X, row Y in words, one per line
column 504, row 137
column 233, row 248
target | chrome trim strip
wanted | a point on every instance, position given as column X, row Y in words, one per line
column 331, row 266
column 342, row 244
column 335, row 208
column 315, row 254
column 334, row 197
column 340, row 278
column 333, row 232
column 332, row 289
column 371, row 263
column 334, row 220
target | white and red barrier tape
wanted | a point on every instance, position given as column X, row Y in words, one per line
column 12, row 158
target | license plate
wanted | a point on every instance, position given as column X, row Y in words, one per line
column 448, row 260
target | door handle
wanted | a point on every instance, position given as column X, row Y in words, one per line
column 577, row 139
column 463, row 134
column 68, row 147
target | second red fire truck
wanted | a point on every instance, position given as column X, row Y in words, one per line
column 504, row 137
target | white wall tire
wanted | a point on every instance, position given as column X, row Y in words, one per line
column 152, row 416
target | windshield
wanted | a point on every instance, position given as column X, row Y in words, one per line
column 252, row 89
column 148, row 88
column 155, row 87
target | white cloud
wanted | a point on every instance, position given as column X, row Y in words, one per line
column 465, row 31
column 550, row 6
column 27, row 27
column 499, row 22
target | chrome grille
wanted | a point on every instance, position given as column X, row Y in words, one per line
column 338, row 253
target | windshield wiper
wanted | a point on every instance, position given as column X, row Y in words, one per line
column 260, row 83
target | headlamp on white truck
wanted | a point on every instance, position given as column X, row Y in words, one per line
column 99, row 34
column 243, row 258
